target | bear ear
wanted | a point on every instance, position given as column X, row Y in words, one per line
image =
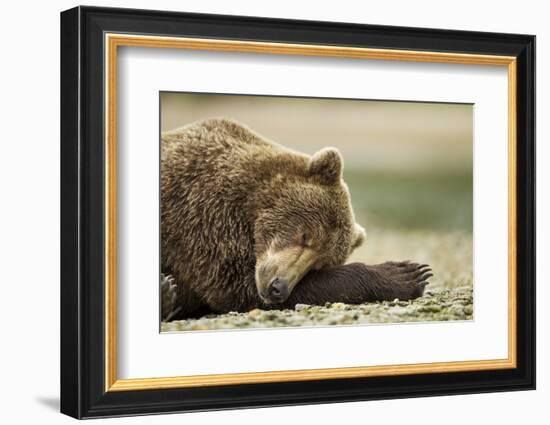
column 359, row 236
column 326, row 165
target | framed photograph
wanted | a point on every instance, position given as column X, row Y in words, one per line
column 260, row 212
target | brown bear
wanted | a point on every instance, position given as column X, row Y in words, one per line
column 246, row 223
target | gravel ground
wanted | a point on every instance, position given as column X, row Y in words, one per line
column 436, row 305
column 448, row 297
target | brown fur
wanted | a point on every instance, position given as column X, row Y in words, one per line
column 238, row 210
column 358, row 283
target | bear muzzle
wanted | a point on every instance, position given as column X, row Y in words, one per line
column 278, row 272
column 277, row 291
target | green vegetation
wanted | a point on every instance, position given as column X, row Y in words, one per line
column 430, row 201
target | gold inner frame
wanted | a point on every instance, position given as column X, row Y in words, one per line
column 113, row 41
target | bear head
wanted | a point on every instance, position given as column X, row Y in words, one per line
column 305, row 223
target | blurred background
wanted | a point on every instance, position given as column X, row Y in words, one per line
column 408, row 165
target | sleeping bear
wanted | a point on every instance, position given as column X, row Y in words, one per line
column 248, row 223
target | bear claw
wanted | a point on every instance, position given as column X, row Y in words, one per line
column 168, row 290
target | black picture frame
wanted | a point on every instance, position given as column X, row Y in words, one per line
column 83, row 392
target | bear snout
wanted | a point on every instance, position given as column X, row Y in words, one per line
column 278, row 273
column 277, row 290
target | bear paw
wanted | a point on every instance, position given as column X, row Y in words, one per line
column 168, row 297
column 404, row 280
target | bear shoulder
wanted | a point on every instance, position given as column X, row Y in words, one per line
column 217, row 129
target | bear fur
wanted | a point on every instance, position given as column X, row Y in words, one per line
column 244, row 220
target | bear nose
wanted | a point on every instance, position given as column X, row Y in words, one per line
column 278, row 290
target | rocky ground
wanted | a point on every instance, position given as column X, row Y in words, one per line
column 448, row 297
column 436, row 305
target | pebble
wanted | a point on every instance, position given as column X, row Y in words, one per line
column 301, row 307
column 199, row 327
column 429, row 309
